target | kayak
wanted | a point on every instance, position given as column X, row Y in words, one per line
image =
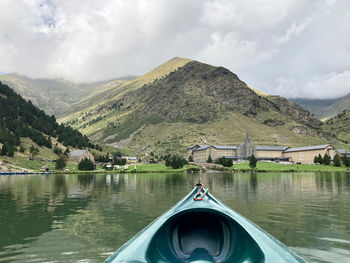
column 201, row 229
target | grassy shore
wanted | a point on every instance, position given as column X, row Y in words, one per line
column 275, row 167
column 154, row 168
column 161, row 168
column 140, row 168
column 73, row 167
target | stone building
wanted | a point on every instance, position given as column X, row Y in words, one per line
column 201, row 153
column 131, row 159
column 306, row 155
column 245, row 150
column 343, row 153
column 270, row 151
column 78, row 155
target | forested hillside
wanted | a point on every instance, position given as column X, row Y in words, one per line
column 20, row 118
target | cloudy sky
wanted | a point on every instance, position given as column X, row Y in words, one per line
column 294, row 48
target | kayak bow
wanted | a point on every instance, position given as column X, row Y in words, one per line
column 200, row 228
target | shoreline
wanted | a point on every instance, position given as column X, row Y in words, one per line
column 230, row 170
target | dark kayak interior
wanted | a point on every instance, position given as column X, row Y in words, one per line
column 203, row 236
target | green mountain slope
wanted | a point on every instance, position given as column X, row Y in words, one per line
column 324, row 109
column 133, row 84
column 338, row 127
column 60, row 97
column 21, row 119
column 189, row 104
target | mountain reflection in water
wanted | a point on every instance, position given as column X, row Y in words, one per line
column 86, row 217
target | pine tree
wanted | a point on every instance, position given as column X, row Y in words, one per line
column 252, row 161
column 190, row 158
column 57, row 150
column 326, row 159
column 316, row 160
column 167, row 161
column 66, row 151
column 210, row 160
column 225, row 161
column 336, row 160
column 22, row 149
column 320, row 159
column 175, row 161
column 86, row 165
column 229, row 162
column 32, row 149
column 60, row 163
column 346, row 161
column 4, row 149
column 11, row 151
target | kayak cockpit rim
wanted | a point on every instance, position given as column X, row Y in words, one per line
column 205, row 230
column 214, row 235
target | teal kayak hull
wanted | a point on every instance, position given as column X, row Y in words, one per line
column 202, row 231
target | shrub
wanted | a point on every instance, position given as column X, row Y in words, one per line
column 22, row 149
column 34, row 150
column 175, row 161
column 66, row 151
column 252, row 161
column 210, row 160
column 86, row 165
column 337, row 161
column 11, row 152
column 60, row 163
column 8, row 150
column 4, row 149
column 193, row 169
column 316, row 160
column 326, row 159
column 320, row 159
column 118, row 161
column 190, row 158
column 225, row 162
column 57, row 150
column 346, row 161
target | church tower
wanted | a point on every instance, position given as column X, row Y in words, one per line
column 245, row 150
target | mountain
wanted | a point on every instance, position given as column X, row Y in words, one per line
column 60, row 97
column 21, row 119
column 339, row 127
column 324, row 109
column 184, row 102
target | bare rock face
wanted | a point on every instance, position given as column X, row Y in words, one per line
column 273, row 122
column 294, row 111
column 301, row 130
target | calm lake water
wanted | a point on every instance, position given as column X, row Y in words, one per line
column 85, row 218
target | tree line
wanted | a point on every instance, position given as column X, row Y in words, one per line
column 20, row 118
column 337, row 160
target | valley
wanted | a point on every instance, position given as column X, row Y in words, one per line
column 179, row 104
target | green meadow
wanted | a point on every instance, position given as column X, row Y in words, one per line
column 275, row 167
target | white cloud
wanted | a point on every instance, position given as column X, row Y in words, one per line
column 327, row 86
column 294, row 30
column 288, row 47
column 244, row 14
column 229, row 50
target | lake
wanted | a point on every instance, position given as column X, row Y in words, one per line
column 85, row 218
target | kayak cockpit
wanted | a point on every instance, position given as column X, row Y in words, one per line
column 203, row 235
